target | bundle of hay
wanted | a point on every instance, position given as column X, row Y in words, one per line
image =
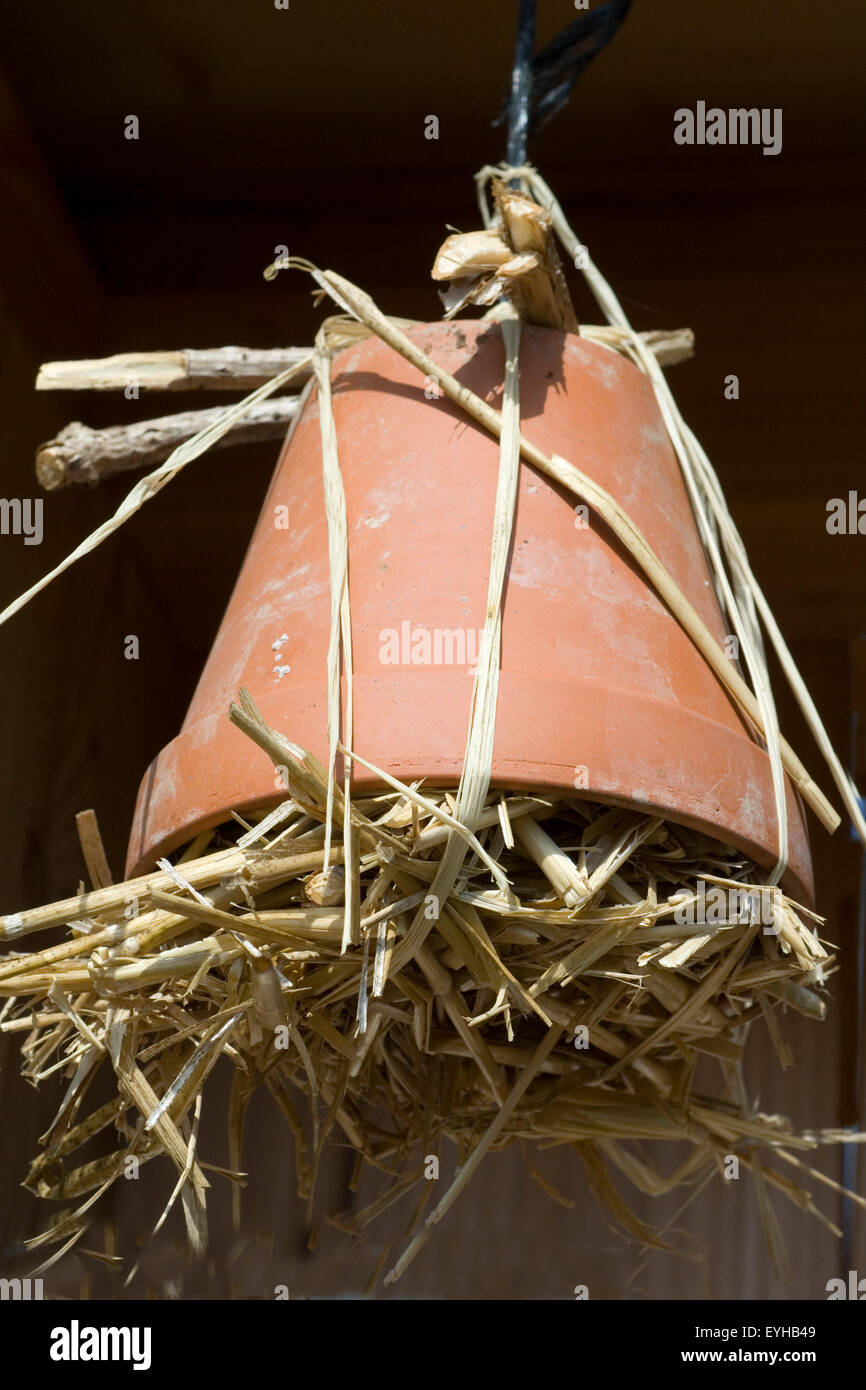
column 585, row 959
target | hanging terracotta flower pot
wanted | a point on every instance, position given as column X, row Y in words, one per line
column 602, row 694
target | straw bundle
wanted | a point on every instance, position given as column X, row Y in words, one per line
column 562, row 994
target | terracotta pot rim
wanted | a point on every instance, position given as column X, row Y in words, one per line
column 678, row 726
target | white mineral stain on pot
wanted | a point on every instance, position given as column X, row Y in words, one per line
column 380, row 502
column 555, row 570
column 200, row 733
column 654, row 433
column 652, row 674
column 278, row 670
column 243, row 646
column 752, row 810
column 165, row 786
column 298, row 537
column 291, row 596
column 287, row 577
column 606, row 369
column 537, row 567
column 300, row 598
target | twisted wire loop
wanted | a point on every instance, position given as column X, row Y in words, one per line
column 542, row 83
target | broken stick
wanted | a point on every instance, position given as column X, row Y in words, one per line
column 86, row 456
column 196, row 369
column 242, row 369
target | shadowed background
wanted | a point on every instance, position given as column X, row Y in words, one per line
column 261, row 127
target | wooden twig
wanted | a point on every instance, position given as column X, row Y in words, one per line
column 189, row 369
column 240, row 369
column 93, row 849
column 80, row 454
column 201, row 873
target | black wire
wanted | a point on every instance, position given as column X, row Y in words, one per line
column 541, row 85
column 521, row 84
column 556, row 69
